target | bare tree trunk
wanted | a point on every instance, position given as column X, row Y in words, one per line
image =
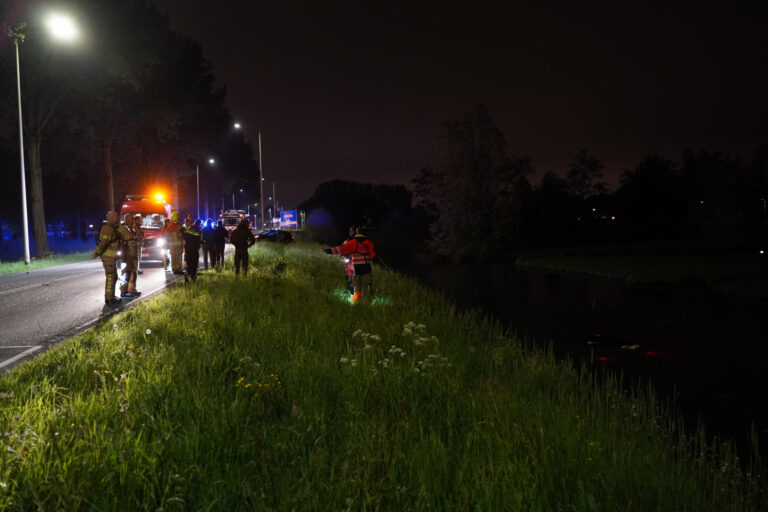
column 36, row 203
column 109, row 180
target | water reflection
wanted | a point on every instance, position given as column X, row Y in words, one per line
column 706, row 346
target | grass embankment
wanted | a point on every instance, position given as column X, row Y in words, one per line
column 10, row 267
column 273, row 392
column 741, row 273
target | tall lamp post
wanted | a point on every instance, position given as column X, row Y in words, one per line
column 62, row 28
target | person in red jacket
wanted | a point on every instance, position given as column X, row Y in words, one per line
column 359, row 249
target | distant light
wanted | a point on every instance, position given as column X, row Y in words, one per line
column 237, row 126
column 762, row 251
column 651, row 353
column 603, row 359
column 211, row 161
column 702, row 202
column 594, row 209
column 61, row 27
column 613, row 217
column 90, row 226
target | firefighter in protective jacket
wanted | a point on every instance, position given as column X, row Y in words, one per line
column 174, row 234
column 361, row 252
column 107, row 248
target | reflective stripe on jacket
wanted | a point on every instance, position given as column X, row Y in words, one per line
column 359, row 249
column 109, row 239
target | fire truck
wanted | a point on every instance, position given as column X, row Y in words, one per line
column 153, row 210
column 231, row 218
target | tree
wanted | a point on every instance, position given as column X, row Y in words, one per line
column 477, row 196
column 651, row 196
column 585, row 176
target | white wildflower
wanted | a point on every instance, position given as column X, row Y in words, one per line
column 148, row 331
column 343, row 360
column 3, row 485
column 353, row 362
column 375, row 337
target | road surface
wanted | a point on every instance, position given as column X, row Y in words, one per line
column 42, row 307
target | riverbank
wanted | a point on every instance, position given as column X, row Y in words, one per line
column 273, row 391
column 11, row 267
column 733, row 272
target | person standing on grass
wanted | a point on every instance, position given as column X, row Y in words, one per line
column 361, row 252
column 107, row 248
column 220, row 235
column 242, row 238
column 207, row 239
column 192, row 249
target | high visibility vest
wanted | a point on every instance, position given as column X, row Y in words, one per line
column 359, row 249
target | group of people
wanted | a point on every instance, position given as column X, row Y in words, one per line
column 120, row 244
column 358, row 252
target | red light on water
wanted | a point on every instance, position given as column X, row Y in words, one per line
column 603, row 359
column 651, row 353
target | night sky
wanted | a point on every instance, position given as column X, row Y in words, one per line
column 357, row 90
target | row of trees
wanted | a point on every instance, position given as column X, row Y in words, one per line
column 480, row 203
column 132, row 107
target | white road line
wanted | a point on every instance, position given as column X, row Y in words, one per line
column 20, row 356
column 81, row 327
column 47, row 283
column 16, row 346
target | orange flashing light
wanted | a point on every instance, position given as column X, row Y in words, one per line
column 159, row 197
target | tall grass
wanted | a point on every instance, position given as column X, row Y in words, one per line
column 10, row 267
column 272, row 392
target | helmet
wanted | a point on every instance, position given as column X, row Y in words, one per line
column 175, row 216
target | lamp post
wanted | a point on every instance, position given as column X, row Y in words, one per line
column 261, row 186
column 62, row 28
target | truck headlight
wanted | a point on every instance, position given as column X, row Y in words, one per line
column 161, row 242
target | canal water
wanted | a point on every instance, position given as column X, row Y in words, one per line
column 704, row 347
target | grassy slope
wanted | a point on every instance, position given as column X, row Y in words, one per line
column 62, row 259
column 745, row 274
column 273, row 392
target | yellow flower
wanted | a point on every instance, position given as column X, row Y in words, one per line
column 248, row 385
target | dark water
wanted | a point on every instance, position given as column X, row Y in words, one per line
column 707, row 348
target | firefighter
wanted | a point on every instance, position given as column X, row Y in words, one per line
column 164, row 241
column 192, row 249
column 242, row 238
column 360, row 251
column 207, row 237
column 137, row 220
column 174, row 233
column 107, row 248
column 220, row 236
column 128, row 266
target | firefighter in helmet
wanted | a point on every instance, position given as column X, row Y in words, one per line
column 109, row 242
column 174, row 233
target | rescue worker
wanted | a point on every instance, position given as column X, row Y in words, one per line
column 208, row 239
column 192, row 249
column 137, row 220
column 163, row 239
column 107, row 248
column 220, row 236
column 128, row 257
column 174, row 233
column 242, row 238
column 360, row 250
column 349, row 268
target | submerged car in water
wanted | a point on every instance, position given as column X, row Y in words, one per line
column 275, row 235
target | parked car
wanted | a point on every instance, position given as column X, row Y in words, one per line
column 275, row 235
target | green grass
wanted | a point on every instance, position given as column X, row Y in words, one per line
column 10, row 267
column 273, row 392
column 742, row 273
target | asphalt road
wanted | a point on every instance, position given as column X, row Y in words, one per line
column 43, row 307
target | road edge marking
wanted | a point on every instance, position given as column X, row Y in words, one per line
column 20, row 356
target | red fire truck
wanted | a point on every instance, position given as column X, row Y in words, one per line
column 231, row 218
column 153, row 210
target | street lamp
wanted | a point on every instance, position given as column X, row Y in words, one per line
column 237, row 125
column 62, row 28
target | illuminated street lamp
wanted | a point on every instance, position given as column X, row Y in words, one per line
column 64, row 29
column 237, row 126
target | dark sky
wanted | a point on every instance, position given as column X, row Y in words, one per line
column 357, row 90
